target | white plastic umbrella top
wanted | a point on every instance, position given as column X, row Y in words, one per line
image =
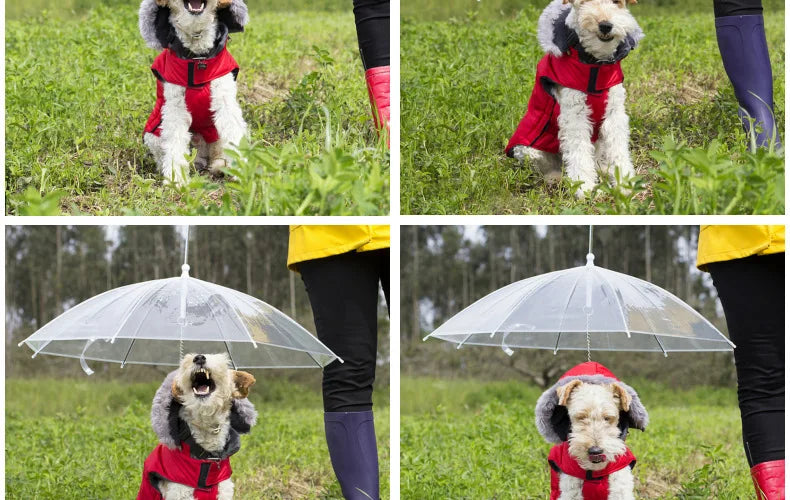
column 557, row 311
column 156, row 322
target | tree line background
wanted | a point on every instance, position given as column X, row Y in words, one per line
column 446, row 268
column 52, row 268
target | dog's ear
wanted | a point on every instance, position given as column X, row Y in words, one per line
column 177, row 392
column 621, row 396
column 564, row 392
column 242, row 381
column 221, row 4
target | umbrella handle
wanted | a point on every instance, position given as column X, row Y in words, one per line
column 83, row 363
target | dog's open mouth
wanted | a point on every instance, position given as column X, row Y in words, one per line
column 195, row 6
column 597, row 459
column 605, row 38
column 202, row 385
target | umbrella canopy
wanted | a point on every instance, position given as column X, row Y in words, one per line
column 557, row 310
column 155, row 322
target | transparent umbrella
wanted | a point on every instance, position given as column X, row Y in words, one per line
column 583, row 308
column 156, row 322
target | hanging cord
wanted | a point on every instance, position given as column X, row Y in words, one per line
column 589, row 311
column 183, row 317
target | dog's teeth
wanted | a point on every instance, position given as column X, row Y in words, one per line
column 208, row 376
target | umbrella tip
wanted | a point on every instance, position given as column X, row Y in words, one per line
column 185, row 270
column 590, row 259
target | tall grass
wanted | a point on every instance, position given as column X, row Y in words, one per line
column 78, row 92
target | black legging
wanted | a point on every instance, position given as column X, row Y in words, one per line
column 751, row 291
column 372, row 18
column 723, row 8
column 343, row 292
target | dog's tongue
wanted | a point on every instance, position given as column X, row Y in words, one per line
column 201, row 390
column 596, row 459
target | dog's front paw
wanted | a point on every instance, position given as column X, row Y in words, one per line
column 217, row 166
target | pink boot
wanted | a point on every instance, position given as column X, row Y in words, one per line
column 769, row 480
column 378, row 80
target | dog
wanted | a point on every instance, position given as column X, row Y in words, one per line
column 196, row 103
column 588, row 413
column 197, row 413
column 576, row 114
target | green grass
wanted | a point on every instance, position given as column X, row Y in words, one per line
column 78, row 92
column 88, row 439
column 467, row 72
column 477, row 440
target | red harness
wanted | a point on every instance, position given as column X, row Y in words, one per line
column 196, row 75
column 178, row 466
column 596, row 483
column 538, row 129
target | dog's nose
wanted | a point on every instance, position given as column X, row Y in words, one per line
column 605, row 27
column 595, row 451
column 199, row 360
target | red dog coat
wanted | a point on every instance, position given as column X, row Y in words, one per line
column 538, row 129
column 178, row 466
column 596, row 483
column 195, row 75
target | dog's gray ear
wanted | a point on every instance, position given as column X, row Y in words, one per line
column 564, row 391
column 154, row 23
column 242, row 381
column 233, row 14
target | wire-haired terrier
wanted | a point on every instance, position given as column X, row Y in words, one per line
column 576, row 114
column 588, row 413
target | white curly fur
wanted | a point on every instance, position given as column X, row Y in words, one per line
column 228, row 120
column 582, row 159
column 593, row 410
column 208, row 417
column 170, row 149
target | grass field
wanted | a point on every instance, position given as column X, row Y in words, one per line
column 467, row 73
column 79, row 90
column 467, row 439
column 84, row 438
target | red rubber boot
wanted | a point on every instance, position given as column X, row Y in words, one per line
column 769, row 480
column 378, row 80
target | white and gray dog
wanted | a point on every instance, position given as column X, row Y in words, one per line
column 197, row 414
column 576, row 114
column 196, row 101
column 587, row 414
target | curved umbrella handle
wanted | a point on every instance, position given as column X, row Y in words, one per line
column 83, row 363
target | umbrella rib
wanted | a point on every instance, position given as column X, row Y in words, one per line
column 288, row 318
column 660, row 345
column 557, row 345
column 567, row 303
column 523, row 299
column 141, row 299
column 617, row 299
column 233, row 309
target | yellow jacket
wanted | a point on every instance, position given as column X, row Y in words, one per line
column 720, row 243
column 315, row 242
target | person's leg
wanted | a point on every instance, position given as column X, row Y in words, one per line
column 372, row 18
column 343, row 292
column 751, row 291
column 744, row 52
